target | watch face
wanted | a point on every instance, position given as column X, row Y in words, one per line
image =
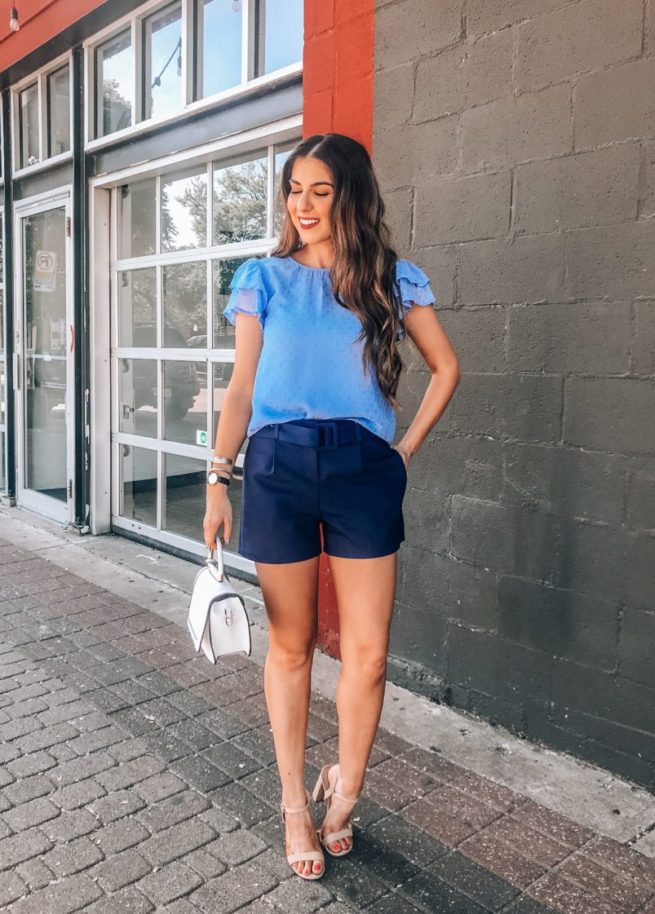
column 212, row 478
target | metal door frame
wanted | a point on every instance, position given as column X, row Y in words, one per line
column 29, row 498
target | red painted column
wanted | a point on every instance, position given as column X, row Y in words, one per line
column 337, row 98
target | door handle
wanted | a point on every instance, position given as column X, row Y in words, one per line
column 16, row 371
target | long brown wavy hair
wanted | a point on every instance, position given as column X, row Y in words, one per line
column 363, row 273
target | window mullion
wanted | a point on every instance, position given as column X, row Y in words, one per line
column 188, row 52
column 42, row 116
column 138, row 85
column 248, row 41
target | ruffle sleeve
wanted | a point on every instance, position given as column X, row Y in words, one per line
column 413, row 284
column 413, row 288
column 248, row 292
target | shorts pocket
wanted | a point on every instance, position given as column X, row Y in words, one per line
column 260, row 457
column 399, row 457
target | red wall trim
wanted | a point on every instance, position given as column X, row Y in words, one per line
column 40, row 20
column 337, row 98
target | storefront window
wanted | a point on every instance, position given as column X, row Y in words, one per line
column 59, row 120
column 184, row 210
column 162, row 56
column 218, row 46
column 173, row 66
column 137, row 218
column 114, row 60
column 283, row 34
column 29, row 126
column 240, row 201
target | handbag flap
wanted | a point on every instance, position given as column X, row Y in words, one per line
column 205, row 589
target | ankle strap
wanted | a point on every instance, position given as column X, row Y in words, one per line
column 291, row 809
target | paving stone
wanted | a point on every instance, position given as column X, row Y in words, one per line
column 166, row 746
column 27, row 815
column 392, row 904
column 120, row 870
column 61, row 897
column 222, row 723
column 474, row 881
column 157, row 683
column 193, row 733
column 130, row 773
column 120, row 804
column 159, row 787
column 126, row 901
column 129, row 749
column 200, row 774
column 82, row 768
column 622, row 859
column 553, row 824
column 353, row 884
column 46, row 737
column 11, row 888
column 241, row 803
column 204, row 863
column 413, row 844
column 219, row 820
column 230, row 759
column 162, row 712
column 626, row 894
column 560, row 894
column 34, row 873
column 233, row 889
column 178, row 808
column 170, row 883
column 258, row 743
column 503, row 860
column 236, row 847
column 118, row 836
column 176, row 841
column 70, row 825
column 66, row 859
column 434, row 895
column 134, row 721
column 299, row 897
column 27, row 789
column 528, row 841
column 382, row 861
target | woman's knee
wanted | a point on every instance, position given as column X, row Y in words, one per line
column 291, row 655
column 366, row 663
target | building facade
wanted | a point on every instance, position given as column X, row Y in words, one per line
column 141, row 144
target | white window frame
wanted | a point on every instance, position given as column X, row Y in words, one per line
column 40, row 77
column 134, row 20
column 105, row 439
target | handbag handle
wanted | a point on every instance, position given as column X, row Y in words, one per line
column 217, row 563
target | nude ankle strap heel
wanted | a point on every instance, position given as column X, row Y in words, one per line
column 324, row 791
column 310, row 855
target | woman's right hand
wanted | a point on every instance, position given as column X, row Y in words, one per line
column 217, row 515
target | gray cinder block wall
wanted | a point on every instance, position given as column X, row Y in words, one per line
column 515, row 144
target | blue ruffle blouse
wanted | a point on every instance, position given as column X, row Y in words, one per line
column 311, row 361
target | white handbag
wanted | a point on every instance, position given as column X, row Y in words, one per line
column 217, row 618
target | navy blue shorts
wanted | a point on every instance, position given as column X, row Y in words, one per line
column 308, row 474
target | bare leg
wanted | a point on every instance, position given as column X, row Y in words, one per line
column 365, row 590
column 290, row 596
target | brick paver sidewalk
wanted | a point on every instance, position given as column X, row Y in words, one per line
column 136, row 777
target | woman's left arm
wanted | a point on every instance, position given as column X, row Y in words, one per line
column 424, row 328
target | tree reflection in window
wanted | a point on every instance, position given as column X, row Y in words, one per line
column 240, row 201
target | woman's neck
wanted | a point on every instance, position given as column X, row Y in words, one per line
column 319, row 255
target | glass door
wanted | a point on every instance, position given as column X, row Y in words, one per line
column 45, row 341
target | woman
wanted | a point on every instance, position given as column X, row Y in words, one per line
column 313, row 387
